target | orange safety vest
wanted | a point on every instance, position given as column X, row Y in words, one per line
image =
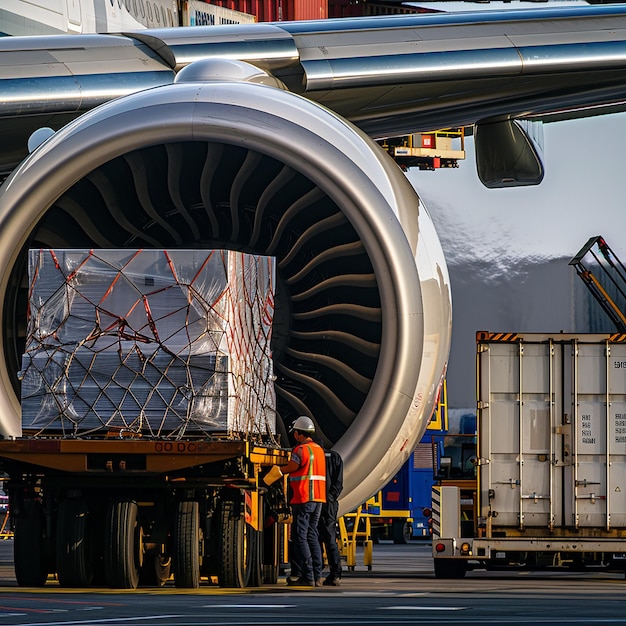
column 308, row 482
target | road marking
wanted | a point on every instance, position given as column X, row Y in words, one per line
column 104, row 620
column 423, row 608
column 413, row 594
column 249, row 606
column 29, row 610
column 366, row 593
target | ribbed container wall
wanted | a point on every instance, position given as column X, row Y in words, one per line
column 309, row 9
column 278, row 10
column 552, row 431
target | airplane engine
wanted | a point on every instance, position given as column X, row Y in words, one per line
column 226, row 158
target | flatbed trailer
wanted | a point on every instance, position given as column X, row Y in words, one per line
column 127, row 512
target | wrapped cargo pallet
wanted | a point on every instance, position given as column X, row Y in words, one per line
column 159, row 343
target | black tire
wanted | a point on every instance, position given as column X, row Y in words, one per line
column 73, row 553
column 29, row 554
column 187, row 545
column 235, row 549
column 401, row 531
column 255, row 546
column 271, row 554
column 122, row 556
column 156, row 570
column 450, row 568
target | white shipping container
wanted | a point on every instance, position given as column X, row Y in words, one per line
column 552, row 431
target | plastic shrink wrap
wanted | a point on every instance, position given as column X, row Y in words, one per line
column 162, row 343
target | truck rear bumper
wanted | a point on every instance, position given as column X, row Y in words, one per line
column 488, row 548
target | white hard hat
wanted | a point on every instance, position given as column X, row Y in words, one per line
column 303, row 423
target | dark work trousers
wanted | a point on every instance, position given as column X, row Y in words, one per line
column 307, row 554
column 328, row 537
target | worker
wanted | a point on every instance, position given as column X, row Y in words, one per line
column 327, row 526
column 307, row 480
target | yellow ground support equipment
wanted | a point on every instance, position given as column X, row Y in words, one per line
column 6, row 532
column 5, row 528
column 428, row 151
column 355, row 528
column 607, row 281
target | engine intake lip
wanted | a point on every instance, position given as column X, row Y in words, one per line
column 343, row 162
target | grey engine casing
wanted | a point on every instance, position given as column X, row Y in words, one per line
column 363, row 317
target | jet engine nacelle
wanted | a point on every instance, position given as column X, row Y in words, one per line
column 226, row 158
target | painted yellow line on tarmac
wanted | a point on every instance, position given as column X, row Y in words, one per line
column 166, row 590
column 150, row 590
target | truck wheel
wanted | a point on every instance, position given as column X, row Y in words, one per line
column 235, row 546
column 74, row 558
column 122, row 557
column 402, row 531
column 155, row 571
column 255, row 546
column 450, row 568
column 271, row 553
column 29, row 552
column 187, row 545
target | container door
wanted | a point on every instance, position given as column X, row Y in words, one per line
column 519, row 445
column 598, row 474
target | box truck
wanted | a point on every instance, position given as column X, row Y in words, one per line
column 549, row 486
column 148, row 420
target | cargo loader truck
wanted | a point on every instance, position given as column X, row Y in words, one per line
column 148, row 422
column 121, row 513
column 549, row 484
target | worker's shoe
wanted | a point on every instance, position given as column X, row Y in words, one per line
column 318, row 583
column 300, row 582
column 331, row 581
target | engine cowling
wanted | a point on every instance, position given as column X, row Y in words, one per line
column 226, row 158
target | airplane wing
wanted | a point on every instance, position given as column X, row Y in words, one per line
column 390, row 75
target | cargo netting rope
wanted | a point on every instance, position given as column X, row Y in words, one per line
column 152, row 343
